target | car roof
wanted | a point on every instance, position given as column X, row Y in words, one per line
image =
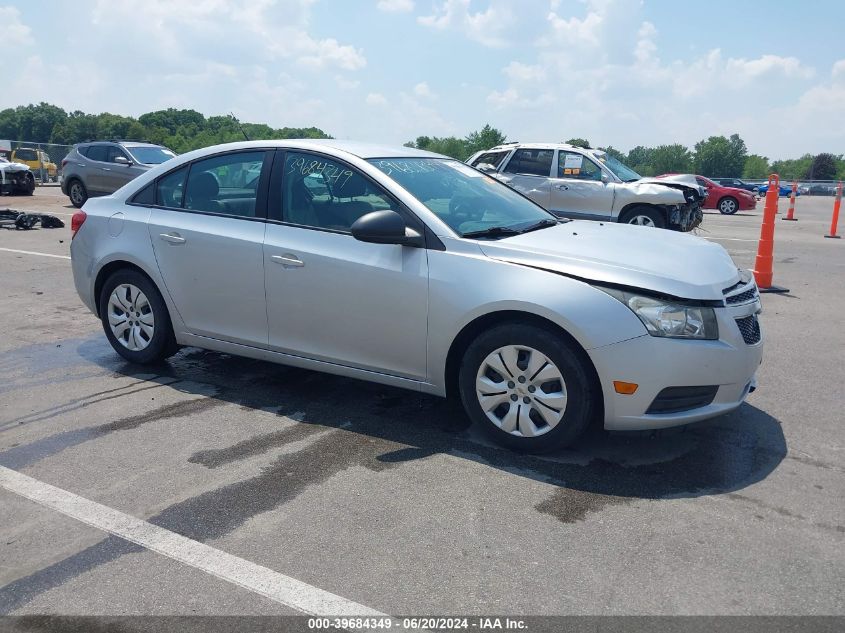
column 355, row 148
column 505, row 146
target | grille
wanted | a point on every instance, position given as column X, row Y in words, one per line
column 742, row 297
column 749, row 327
column 677, row 399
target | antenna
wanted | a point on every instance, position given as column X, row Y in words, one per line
column 235, row 119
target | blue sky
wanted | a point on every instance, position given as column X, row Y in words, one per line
column 618, row 72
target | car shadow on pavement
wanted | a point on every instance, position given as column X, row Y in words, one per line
column 717, row 456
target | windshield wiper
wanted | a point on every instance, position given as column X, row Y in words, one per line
column 493, row 231
column 540, row 225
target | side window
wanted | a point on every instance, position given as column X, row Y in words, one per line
column 114, row 152
column 98, row 152
column 325, row 194
column 170, row 189
column 701, row 182
column 535, row 162
column 578, row 166
column 225, row 184
column 146, row 196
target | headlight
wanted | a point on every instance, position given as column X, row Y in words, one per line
column 667, row 319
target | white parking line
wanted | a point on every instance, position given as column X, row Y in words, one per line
column 238, row 571
column 13, row 250
column 727, row 239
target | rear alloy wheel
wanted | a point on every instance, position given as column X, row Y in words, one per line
column 526, row 387
column 728, row 206
column 135, row 318
column 643, row 216
column 77, row 194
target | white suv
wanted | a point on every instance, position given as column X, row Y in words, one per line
column 589, row 184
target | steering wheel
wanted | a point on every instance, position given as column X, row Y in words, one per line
column 464, row 209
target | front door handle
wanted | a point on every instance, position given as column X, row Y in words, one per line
column 172, row 238
column 288, row 259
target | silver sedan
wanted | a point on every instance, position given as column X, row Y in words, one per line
column 411, row 269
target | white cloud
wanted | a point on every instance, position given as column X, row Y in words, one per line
column 13, row 32
column 395, row 6
column 485, row 27
column 838, row 68
column 422, row 90
column 376, row 99
column 524, row 72
column 770, row 65
column 251, row 31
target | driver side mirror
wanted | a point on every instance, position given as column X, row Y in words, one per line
column 122, row 160
column 385, row 227
column 605, row 178
column 487, row 168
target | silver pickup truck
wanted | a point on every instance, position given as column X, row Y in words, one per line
column 589, row 184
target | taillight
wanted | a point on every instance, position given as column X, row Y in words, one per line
column 76, row 222
column 64, row 162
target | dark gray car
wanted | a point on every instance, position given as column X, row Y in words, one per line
column 102, row 167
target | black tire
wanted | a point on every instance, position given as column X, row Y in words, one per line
column 632, row 215
column 728, row 205
column 163, row 342
column 77, row 196
column 29, row 186
column 580, row 388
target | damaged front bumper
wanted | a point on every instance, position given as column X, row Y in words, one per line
column 685, row 217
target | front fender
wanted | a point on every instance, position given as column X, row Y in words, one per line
column 464, row 287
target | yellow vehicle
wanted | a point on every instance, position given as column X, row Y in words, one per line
column 38, row 161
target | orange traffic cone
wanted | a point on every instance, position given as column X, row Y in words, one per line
column 765, row 249
column 834, row 221
column 790, row 215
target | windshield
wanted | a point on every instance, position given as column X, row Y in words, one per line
column 150, row 155
column 620, row 170
column 464, row 198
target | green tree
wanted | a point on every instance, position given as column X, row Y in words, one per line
column 756, row 167
column 579, row 142
column 639, row 159
column 615, row 153
column 720, row 156
column 670, row 159
column 792, row 168
column 823, row 167
column 485, row 138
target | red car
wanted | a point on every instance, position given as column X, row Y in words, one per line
column 728, row 200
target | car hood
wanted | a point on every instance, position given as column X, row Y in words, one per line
column 664, row 261
column 14, row 167
column 678, row 181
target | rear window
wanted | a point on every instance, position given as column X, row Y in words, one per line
column 491, row 158
column 98, row 152
column 26, row 154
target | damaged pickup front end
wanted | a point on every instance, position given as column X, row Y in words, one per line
column 15, row 178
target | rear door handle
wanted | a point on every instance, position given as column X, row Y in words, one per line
column 172, row 238
column 288, row 259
